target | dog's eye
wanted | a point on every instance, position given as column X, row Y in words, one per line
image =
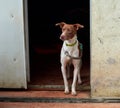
column 68, row 30
column 63, row 29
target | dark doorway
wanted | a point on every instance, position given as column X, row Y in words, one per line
column 44, row 39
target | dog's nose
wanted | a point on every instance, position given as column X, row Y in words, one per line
column 62, row 37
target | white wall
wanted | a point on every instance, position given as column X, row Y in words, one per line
column 105, row 48
column 12, row 46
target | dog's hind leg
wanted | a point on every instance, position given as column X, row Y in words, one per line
column 79, row 76
column 68, row 71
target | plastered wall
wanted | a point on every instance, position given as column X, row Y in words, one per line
column 105, row 48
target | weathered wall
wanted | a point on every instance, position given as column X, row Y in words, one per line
column 105, row 48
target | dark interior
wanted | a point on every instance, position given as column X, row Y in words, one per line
column 44, row 41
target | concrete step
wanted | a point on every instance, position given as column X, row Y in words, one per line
column 58, row 105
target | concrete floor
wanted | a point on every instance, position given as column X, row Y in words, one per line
column 50, row 94
column 59, row 105
column 43, row 94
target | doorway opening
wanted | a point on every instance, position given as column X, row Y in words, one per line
column 44, row 42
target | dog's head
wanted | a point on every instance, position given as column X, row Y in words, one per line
column 68, row 30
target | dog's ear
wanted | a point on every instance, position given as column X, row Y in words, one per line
column 61, row 24
column 77, row 26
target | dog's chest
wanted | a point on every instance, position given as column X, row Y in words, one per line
column 72, row 50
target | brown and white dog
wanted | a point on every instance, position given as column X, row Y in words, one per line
column 70, row 54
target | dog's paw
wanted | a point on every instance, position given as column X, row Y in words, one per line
column 74, row 93
column 66, row 92
column 79, row 82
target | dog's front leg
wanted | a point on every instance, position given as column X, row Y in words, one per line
column 75, row 76
column 74, row 82
column 63, row 69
